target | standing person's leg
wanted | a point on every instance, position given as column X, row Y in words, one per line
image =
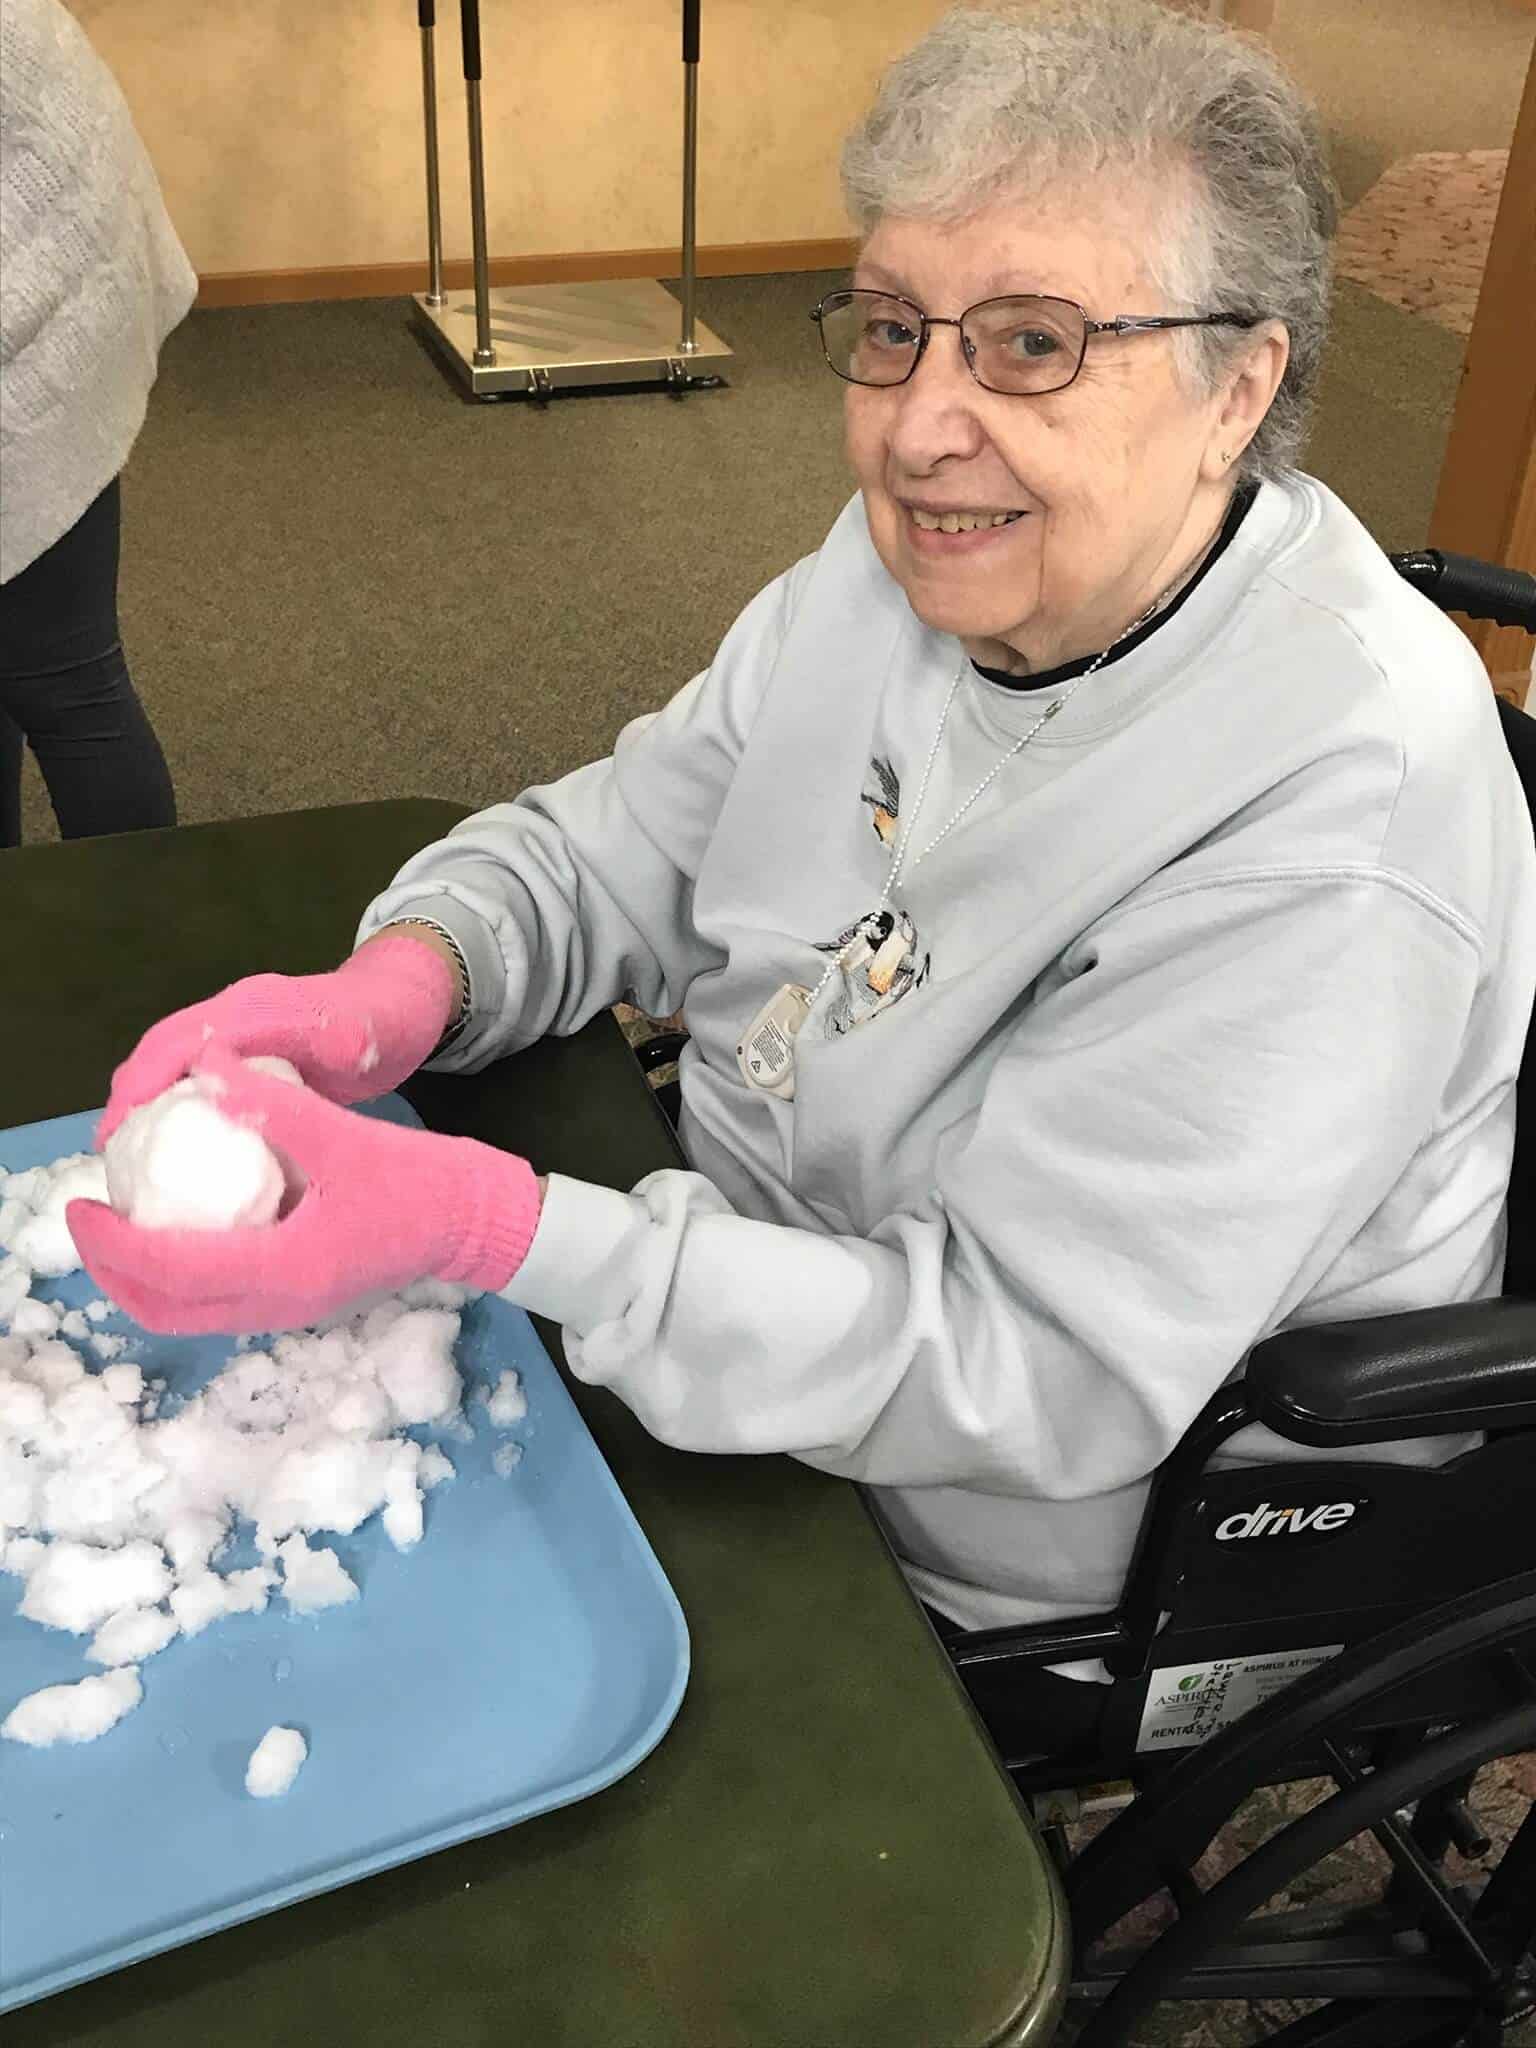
column 64, row 681
column 11, row 744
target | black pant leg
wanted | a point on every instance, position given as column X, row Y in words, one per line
column 11, row 745
column 64, row 682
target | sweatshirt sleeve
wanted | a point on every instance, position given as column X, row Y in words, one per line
column 580, row 892
column 1174, row 1147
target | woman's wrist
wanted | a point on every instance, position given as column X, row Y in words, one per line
column 427, row 932
column 494, row 1199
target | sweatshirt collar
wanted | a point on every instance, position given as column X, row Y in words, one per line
column 1160, row 653
column 1064, row 672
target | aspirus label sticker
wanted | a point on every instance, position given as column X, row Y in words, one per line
column 1188, row 1702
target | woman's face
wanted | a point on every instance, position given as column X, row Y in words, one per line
column 1119, row 478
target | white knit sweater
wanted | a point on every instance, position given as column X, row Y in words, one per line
column 92, row 278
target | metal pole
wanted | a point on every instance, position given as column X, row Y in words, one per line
column 687, row 345
column 426, row 15
column 469, row 19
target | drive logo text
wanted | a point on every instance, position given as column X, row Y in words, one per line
column 1324, row 1518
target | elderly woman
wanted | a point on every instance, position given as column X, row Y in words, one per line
column 1102, row 904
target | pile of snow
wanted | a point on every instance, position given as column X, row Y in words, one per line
column 117, row 1518
column 32, row 1226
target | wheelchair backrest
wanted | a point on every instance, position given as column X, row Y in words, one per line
column 1520, row 1264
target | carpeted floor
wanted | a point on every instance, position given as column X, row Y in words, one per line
column 342, row 580
column 1394, row 77
column 1419, row 238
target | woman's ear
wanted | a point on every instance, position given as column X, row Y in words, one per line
column 1249, row 392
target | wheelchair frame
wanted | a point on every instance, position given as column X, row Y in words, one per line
column 1401, row 1716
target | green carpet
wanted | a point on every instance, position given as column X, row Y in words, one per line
column 343, row 580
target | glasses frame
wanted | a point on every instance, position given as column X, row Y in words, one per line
column 1123, row 323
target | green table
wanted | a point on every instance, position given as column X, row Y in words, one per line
column 822, row 1853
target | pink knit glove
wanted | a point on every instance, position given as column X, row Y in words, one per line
column 381, row 1207
column 353, row 1033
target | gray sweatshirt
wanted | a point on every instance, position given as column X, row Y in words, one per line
column 92, row 278
column 1208, row 1025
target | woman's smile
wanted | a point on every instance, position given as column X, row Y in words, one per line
column 942, row 532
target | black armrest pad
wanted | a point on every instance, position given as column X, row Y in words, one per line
column 1430, row 1372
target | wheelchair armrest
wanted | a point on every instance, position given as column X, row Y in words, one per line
column 1429, row 1372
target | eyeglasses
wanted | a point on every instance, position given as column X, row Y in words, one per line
column 1022, row 347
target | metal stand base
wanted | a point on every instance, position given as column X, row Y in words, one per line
column 565, row 337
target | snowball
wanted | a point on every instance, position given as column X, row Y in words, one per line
column 77, row 1585
column 43, row 1241
column 178, row 1163
column 74, row 1713
column 12, row 1216
column 130, row 1637
column 505, row 1459
column 275, row 1762
column 73, row 1324
column 508, row 1403
column 313, row 1579
column 97, row 1311
column 109, row 1347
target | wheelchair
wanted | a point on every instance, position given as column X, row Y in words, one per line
column 1369, row 1627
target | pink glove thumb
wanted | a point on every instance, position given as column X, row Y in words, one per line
column 353, row 1033
column 381, row 1207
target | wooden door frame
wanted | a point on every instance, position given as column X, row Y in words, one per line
column 1486, row 501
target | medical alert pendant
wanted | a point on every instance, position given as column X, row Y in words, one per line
column 885, row 966
column 766, row 1056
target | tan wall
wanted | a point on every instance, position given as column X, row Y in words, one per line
column 288, row 133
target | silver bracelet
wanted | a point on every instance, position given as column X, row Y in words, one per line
column 466, row 999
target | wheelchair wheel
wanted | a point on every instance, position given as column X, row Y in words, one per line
column 1432, row 1964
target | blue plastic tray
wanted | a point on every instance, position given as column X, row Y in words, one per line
column 526, row 1654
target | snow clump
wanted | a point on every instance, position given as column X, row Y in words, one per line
column 275, row 1763
column 178, row 1163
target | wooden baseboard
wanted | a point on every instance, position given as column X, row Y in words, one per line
column 399, row 280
